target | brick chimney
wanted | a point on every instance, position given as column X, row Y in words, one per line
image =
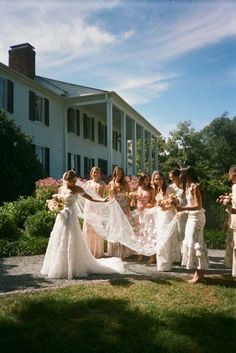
column 22, row 59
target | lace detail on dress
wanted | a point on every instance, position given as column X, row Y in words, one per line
column 67, row 254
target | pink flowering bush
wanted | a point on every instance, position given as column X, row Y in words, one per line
column 45, row 188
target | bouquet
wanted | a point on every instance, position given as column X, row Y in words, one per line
column 225, row 200
column 168, row 202
column 55, row 205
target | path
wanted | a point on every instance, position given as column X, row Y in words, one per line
column 22, row 274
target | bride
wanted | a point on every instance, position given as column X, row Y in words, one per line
column 68, row 255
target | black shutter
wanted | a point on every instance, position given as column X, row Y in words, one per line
column 99, row 132
column 10, row 96
column 78, row 165
column 78, row 122
column 46, row 112
column 92, row 126
column 85, row 125
column 69, row 161
column 69, row 127
column 31, row 105
column 85, row 167
column 47, row 161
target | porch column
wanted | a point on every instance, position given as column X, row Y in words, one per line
column 123, row 142
column 150, row 154
column 109, row 137
column 134, row 128
column 156, row 154
column 143, row 149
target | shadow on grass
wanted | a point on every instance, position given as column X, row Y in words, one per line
column 69, row 325
column 10, row 283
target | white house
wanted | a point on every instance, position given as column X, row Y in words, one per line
column 74, row 126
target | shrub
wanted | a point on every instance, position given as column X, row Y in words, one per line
column 214, row 239
column 22, row 208
column 8, row 227
column 40, row 224
column 26, row 246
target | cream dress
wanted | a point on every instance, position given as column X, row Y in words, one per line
column 194, row 251
column 181, row 222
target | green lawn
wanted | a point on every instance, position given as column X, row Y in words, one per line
column 122, row 316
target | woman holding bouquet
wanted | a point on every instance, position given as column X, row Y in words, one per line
column 94, row 241
column 175, row 189
column 68, row 255
column 166, row 213
column 194, row 252
column 145, row 198
column 119, row 190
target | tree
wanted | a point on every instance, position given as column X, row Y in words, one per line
column 219, row 144
column 19, row 167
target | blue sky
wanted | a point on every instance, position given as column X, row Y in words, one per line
column 172, row 60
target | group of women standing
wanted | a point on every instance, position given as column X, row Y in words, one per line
column 180, row 202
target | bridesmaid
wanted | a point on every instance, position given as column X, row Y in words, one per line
column 175, row 189
column 145, row 198
column 164, row 258
column 194, row 250
column 119, row 190
column 94, row 241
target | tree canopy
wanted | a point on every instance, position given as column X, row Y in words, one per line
column 19, row 167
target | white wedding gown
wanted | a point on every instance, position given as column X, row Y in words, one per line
column 68, row 255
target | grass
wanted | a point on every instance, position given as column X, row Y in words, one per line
column 122, row 316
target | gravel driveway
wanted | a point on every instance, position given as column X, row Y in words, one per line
column 22, row 274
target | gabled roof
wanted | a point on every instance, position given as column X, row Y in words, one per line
column 66, row 89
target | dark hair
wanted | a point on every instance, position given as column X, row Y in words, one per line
column 122, row 180
column 164, row 187
column 189, row 174
column 142, row 177
column 70, row 174
column 175, row 172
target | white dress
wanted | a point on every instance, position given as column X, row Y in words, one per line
column 164, row 254
column 194, row 251
column 181, row 222
column 68, row 255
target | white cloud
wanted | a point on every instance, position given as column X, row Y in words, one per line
column 71, row 37
column 129, row 34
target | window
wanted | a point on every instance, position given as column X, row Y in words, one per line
column 43, row 155
column 88, row 165
column 73, row 121
column 102, row 164
column 74, row 162
column 102, row 134
column 38, row 108
column 7, row 95
column 88, row 127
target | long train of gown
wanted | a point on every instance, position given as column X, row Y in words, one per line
column 68, row 255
